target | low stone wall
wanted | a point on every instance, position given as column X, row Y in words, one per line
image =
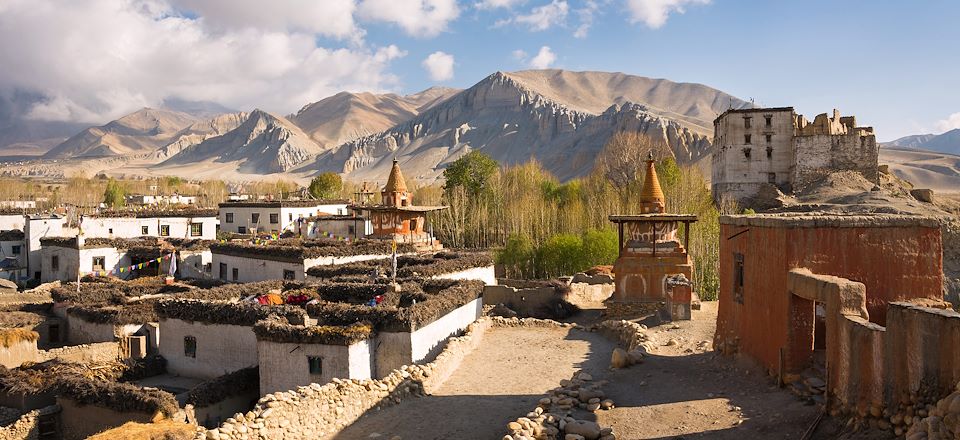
column 26, row 426
column 84, row 353
column 316, row 410
column 535, row 301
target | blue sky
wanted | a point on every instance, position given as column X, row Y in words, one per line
column 892, row 64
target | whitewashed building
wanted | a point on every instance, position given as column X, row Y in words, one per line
column 179, row 223
column 292, row 355
column 274, row 216
column 350, row 226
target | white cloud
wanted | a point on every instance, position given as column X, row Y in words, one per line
column 952, row 122
column 331, row 18
column 419, row 18
column 519, row 55
column 654, row 13
column 543, row 59
column 542, row 17
column 586, row 13
column 99, row 59
column 439, row 65
column 494, row 4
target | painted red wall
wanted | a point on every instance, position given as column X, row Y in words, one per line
column 895, row 263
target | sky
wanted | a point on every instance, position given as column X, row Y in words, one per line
column 893, row 64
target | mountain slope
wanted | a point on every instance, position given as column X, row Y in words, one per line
column 948, row 142
column 262, row 144
column 199, row 132
column 562, row 119
column 139, row 132
column 346, row 116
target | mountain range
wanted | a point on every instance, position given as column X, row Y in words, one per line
column 560, row 118
column 948, row 142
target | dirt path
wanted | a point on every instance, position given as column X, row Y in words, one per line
column 682, row 391
column 499, row 381
column 687, row 391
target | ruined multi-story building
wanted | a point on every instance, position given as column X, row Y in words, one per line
column 760, row 149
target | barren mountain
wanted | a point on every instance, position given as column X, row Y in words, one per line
column 262, row 144
column 560, row 118
column 948, row 142
column 140, row 132
column 199, row 132
column 346, row 116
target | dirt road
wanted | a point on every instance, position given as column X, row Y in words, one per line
column 499, row 381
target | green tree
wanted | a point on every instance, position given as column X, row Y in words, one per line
column 115, row 196
column 600, row 247
column 471, row 171
column 326, row 186
column 517, row 256
column 562, row 254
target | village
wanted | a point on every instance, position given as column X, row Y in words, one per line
column 349, row 318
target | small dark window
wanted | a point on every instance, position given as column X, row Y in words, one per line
column 241, row 229
column 746, row 153
column 291, row 217
column 15, row 250
column 144, row 230
column 190, row 346
column 738, row 278
column 99, row 263
column 746, row 122
column 53, row 333
column 351, row 230
column 110, row 231
column 413, row 224
column 229, row 218
column 316, row 364
column 746, row 138
column 255, row 218
column 769, row 120
column 196, row 229
column 289, row 275
column 223, row 271
column 274, row 218
column 769, row 152
column 164, row 230
column 769, row 138
column 235, row 273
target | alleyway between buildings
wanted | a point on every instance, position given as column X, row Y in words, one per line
column 682, row 390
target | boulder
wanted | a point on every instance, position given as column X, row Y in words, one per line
column 619, row 358
column 583, row 428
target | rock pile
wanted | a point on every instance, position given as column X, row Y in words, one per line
column 499, row 321
column 25, row 426
column 627, row 334
column 930, row 422
column 552, row 418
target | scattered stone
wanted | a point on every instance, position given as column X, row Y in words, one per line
column 588, row 430
column 619, row 358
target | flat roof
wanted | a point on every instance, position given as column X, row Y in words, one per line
column 657, row 217
column 282, row 203
column 755, row 110
column 829, row 220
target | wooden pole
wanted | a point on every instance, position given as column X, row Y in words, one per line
column 620, row 237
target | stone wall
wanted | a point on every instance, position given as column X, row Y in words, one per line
column 84, row 353
column 24, row 426
column 881, row 375
column 316, row 410
column 819, row 155
column 535, row 301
